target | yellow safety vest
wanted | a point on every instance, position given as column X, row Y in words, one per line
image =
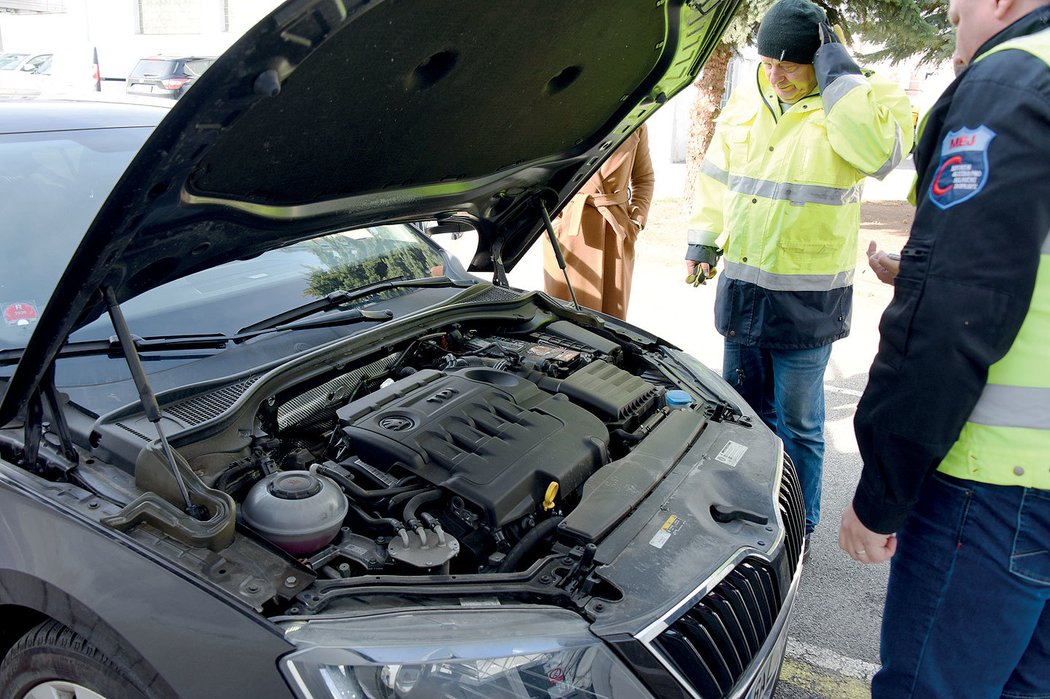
column 1006, row 440
column 780, row 192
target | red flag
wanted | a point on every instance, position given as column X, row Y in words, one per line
column 97, row 73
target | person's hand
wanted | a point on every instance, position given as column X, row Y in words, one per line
column 698, row 272
column 862, row 544
column 882, row 264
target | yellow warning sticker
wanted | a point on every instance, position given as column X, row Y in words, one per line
column 671, row 525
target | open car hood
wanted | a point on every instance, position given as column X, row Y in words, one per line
column 335, row 114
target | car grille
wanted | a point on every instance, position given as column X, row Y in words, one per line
column 714, row 642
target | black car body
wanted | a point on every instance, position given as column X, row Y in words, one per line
column 262, row 437
column 166, row 77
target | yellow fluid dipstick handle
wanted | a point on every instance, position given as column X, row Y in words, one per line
column 548, row 499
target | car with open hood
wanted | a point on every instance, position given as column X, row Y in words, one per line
column 260, row 436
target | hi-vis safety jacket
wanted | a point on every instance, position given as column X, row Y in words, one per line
column 780, row 193
column 961, row 382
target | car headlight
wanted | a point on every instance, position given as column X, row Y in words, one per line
column 454, row 654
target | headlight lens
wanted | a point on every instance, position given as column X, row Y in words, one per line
column 442, row 654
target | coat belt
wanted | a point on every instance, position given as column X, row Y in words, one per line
column 604, row 203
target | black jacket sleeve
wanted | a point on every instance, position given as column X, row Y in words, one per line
column 966, row 281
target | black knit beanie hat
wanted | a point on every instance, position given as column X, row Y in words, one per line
column 789, row 32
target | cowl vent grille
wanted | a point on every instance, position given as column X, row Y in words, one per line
column 194, row 411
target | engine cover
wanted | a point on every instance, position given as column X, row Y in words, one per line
column 487, row 435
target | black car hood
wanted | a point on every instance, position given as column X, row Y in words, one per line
column 333, row 114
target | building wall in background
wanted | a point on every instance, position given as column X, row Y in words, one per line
column 124, row 31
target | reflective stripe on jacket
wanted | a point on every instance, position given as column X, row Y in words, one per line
column 1006, row 439
column 780, row 193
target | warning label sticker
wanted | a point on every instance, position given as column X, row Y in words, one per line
column 731, row 453
column 669, row 528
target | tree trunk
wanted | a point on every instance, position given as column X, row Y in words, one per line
column 710, row 87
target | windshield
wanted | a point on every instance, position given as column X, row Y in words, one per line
column 153, row 68
column 52, row 185
column 226, row 298
column 10, row 61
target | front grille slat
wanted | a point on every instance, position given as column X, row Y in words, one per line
column 752, row 606
column 690, row 664
column 705, row 644
column 713, row 623
column 763, row 588
column 714, row 643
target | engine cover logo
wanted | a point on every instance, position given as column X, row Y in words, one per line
column 397, row 423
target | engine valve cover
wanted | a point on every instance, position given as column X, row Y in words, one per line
column 487, row 435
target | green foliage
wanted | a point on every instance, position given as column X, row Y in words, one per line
column 744, row 26
column 904, row 28
column 353, row 263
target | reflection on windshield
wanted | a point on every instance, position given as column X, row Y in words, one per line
column 51, row 187
column 352, row 260
column 228, row 297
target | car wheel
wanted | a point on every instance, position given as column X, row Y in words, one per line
column 53, row 662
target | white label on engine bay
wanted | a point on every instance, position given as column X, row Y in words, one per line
column 672, row 525
column 731, row 453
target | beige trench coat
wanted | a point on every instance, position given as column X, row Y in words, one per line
column 596, row 232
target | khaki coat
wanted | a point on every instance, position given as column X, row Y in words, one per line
column 596, row 233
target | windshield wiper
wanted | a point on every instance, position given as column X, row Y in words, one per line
column 204, row 341
column 341, row 298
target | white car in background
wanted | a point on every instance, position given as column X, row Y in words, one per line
column 23, row 72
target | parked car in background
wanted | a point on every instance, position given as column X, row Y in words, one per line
column 166, row 76
column 261, row 436
column 24, row 73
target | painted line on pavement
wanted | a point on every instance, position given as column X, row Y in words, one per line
column 844, row 391
column 830, row 660
column 824, row 673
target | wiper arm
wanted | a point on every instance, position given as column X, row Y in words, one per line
column 204, row 341
column 341, row 297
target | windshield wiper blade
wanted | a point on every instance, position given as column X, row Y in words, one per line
column 203, row 341
column 341, row 298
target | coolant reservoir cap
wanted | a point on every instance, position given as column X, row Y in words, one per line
column 678, row 399
column 296, row 485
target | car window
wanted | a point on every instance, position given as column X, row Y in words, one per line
column 37, row 63
column 194, row 68
column 153, row 68
column 51, row 187
column 10, row 61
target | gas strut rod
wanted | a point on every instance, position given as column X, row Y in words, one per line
column 557, row 253
column 146, row 395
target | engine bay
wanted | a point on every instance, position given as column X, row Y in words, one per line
column 458, row 451
column 461, row 456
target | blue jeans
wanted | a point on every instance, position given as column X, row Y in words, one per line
column 967, row 613
column 786, row 389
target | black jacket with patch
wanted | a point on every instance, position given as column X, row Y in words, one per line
column 967, row 271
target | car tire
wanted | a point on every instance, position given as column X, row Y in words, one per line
column 51, row 660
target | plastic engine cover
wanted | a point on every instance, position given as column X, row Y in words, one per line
column 489, row 436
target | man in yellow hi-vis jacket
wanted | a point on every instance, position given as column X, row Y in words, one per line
column 954, row 425
column 779, row 192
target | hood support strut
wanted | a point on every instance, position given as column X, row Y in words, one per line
column 557, row 253
column 34, row 423
column 146, row 395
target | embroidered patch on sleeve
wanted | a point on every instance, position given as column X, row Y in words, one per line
column 963, row 168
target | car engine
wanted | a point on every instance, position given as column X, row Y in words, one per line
column 459, row 453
